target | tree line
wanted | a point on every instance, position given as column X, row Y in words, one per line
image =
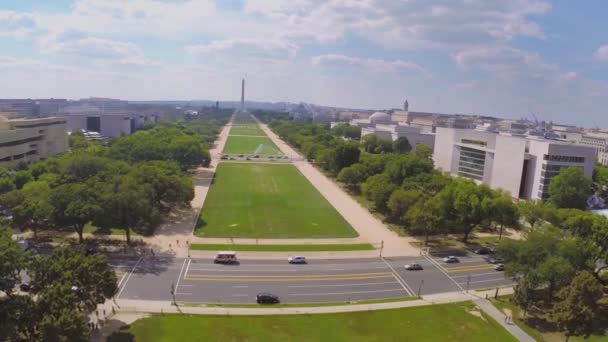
column 126, row 185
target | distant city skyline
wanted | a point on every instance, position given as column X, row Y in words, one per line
column 500, row 58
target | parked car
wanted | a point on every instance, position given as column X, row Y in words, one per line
column 296, row 260
column 226, row 258
column 25, row 287
column 413, row 267
column 267, row 298
column 483, row 251
column 451, row 259
column 499, row 267
column 496, row 260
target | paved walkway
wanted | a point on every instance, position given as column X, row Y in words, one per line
column 369, row 227
column 499, row 317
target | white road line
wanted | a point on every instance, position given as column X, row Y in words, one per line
column 475, row 275
column 186, row 285
column 240, row 286
column 484, row 281
column 399, row 280
column 128, row 277
column 343, row 293
column 121, row 279
column 179, row 276
column 184, row 294
column 442, row 269
column 240, row 295
column 194, row 270
column 187, row 267
column 341, row 285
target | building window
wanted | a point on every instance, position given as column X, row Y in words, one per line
column 471, row 163
column 474, row 142
column 567, row 159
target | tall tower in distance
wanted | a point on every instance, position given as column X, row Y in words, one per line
column 243, row 95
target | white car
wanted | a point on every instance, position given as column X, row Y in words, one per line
column 413, row 267
column 451, row 259
column 296, row 260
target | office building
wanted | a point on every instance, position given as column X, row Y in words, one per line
column 27, row 140
column 23, row 107
column 523, row 166
column 51, row 106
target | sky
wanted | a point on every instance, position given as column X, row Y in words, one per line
column 489, row 57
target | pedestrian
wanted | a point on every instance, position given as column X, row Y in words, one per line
column 152, row 251
column 506, row 318
column 177, row 242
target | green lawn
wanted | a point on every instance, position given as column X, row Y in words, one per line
column 543, row 332
column 251, row 129
column 252, row 200
column 450, row 322
column 251, row 146
column 284, row 248
column 300, row 305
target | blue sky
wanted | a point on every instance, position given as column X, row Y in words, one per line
column 505, row 58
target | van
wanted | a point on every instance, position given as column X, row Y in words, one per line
column 228, row 257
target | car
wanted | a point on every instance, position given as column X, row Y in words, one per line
column 451, row 259
column 226, row 258
column 413, row 267
column 296, row 260
column 267, row 298
column 499, row 267
column 483, row 251
column 496, row 260
column 25, row 287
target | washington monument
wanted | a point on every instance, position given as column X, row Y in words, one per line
column 243, row 96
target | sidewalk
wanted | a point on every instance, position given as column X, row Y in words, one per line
column 499, row 317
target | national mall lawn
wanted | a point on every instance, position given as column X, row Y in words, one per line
column 257, row 200
column 448, row 322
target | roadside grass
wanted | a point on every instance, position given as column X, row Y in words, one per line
column 448, row 322
column 541, row 330
column 247, row 129
column 283, row 248
column 267, row 201
column 251, row 146
column 302, row 305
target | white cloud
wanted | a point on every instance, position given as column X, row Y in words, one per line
column 376, row 65
column 248, row 48
column 18, row 25
column 108, row 51
column 602, row 53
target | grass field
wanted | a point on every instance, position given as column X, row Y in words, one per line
column 251, row 146
column 450, row 322
column 247, row 129
column 251, row 200
column 284, row 248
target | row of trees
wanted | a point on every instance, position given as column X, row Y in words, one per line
column 127, row 185
column 66, row 286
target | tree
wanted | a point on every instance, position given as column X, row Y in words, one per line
column 570, row 189
column 21, row 178
column 373, row 144
column 6, row 185
column 532, row 212
column 168, row 183
column 75, row 205
column 378, row 190
column 406, row 166
column 346, row 154
column 187, row 151
column 401, row 145
column 400, row 202
column 578, row 307
column 352, row 176
column 326, row 158
column 33, row 209
column 12, row 262
column 503, row 211
column 426, row 217
column 423, row 151
column 462, row 201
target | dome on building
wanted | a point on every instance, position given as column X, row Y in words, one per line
column 379, row 117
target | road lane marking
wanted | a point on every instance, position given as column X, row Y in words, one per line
column 184, row 294
column 486, row 280
column 187, row 267
column 399, row 279
column 240, row 286
column 287, row 278
column 340, row 285
column 442, row 269
column 121, row 279
column 240, row 295
column 469, row 268
column 179, row 276
column 343, row 293
column 291, row 277
column 475, row 275
column 129, row 277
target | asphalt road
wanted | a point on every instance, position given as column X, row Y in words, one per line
column 202, row 281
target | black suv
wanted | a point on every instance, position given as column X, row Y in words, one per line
column 267, row 298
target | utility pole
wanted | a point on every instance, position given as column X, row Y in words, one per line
column 468, row 282
column 420, row 287
column 381, row 247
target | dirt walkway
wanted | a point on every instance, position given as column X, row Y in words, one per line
column 370, row 229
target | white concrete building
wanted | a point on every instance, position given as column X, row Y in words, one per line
column 523, row 166
column 393, row 132
column 27, row 140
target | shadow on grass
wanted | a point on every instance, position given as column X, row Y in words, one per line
column 122, row 335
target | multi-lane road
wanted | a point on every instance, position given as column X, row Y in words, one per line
column 202, row 281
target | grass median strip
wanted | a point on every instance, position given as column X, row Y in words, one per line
column 300, row 305
column 284, row 248
column 447, row 322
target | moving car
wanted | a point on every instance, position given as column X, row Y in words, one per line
column 267, row 298
column 25, row 287
column 451, row 259
column 496, row 260
column 296, row 260
column 499, row 267
column 227, row 257
column 413, row 267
